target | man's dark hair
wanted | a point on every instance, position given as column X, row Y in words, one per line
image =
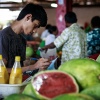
column 95, row 22
column 37, row 12
column 70, row 17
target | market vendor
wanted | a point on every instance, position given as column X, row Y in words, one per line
column 12, row 43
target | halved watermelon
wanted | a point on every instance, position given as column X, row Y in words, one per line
column 49, row 84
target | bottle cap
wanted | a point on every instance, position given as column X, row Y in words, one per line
column 17, row 58
column 0, row 57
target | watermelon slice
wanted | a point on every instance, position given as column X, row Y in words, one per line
column 49, row 84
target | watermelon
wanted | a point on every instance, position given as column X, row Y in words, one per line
column 86, row 71
column 28, row 90
column 73, row 96
column 20, row 97
column 93, row 91
column 49, row 84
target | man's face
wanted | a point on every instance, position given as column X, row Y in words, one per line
column 30, row 26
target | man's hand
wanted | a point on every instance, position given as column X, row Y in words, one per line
column 50, row 46
column 42, row 63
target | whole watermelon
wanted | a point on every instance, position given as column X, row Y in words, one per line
column 86, row 71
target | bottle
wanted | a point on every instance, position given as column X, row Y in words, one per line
column 4, row 76
column 16, row 72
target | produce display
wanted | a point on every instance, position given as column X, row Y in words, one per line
column 77, row 79
column 86, row 71
column 48, row 84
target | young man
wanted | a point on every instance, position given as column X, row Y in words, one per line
column 12, row 42
column 72, row 40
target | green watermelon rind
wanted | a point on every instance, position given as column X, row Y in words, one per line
column 42, row 72
column 93, row 91
column 73, row 96
column 76, row 67
column 28, row 90
column 20, row 97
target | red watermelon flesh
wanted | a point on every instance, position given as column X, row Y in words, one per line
column 53, row 83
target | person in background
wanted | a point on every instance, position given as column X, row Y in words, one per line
column 49, row 39
column 43, row 36
column 12, row 42
column 53, row 31
column 93, row 37
column 45, row 33
column 72, row 40
column 30, row 40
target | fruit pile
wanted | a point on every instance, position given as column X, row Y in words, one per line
column 77, row 79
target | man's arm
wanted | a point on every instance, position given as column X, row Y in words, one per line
column 41, row 64
column 50, row 46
